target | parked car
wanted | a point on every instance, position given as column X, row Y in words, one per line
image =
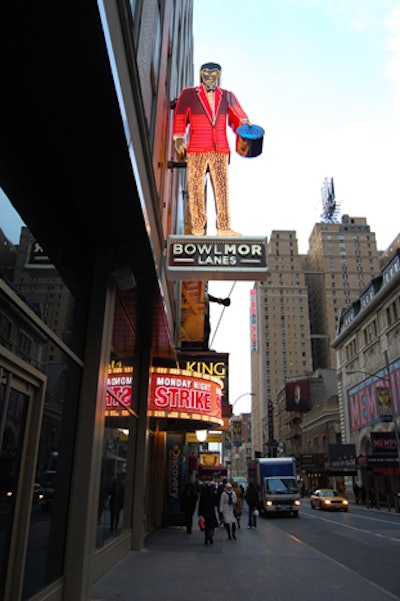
column 329, row 499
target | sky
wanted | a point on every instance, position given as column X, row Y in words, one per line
column 322, row 77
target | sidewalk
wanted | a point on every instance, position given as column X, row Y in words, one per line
column 384, row 509
column 262, row 564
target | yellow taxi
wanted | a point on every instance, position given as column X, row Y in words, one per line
column 329, row 499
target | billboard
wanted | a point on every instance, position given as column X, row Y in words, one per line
column 298, row 396
column 372, row 400
column 253, row 320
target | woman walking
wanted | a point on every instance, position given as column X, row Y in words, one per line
column 227, row 503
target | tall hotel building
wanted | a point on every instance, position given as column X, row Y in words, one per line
column 295, row 311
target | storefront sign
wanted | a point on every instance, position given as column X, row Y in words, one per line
column 342, row 459
column 216, row 258
column 175, row 471
column 181, row 394
column 383, row 443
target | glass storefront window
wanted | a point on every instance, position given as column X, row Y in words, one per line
column 42, row 299
column 13, row 408
column 117, row 407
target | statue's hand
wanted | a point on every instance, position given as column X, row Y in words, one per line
column 180, row 148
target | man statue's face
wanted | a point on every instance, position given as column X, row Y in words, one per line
column 210, row 78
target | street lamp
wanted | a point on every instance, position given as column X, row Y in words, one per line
column 387, row 381
column 241, row 396
column 201, row 435
column 231, row 426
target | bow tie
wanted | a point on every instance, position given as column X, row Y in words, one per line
column 208, row 89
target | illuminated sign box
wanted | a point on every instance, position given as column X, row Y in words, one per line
column 178, row 393
column 216, row 258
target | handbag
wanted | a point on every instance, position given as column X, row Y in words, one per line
column 256, row 513
column 237, row 512
column 202, row 524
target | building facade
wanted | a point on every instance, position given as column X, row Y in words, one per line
column 341, row 260
column 85, row 306
column 368, row 363
column 282, row 350
column 294, row 322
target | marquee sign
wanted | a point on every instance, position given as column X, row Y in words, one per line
column 253, row 320
column 216, row 258
column 182, row 394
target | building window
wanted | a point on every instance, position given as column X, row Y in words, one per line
column 370, row 332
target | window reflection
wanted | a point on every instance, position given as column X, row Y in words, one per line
column 112, row 486
column 25, row 269
column 118, row 409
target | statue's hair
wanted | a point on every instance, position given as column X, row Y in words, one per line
column 211, row 66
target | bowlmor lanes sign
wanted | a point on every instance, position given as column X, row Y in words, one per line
column 216, row 258
column 178, row 393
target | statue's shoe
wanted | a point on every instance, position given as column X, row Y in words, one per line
column 227, row 232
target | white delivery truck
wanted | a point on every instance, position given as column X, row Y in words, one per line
column 276, row 482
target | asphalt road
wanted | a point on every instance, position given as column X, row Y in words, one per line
column 366, row 543
column 348, row 556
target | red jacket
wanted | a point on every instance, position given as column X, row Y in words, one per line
column 206, row 134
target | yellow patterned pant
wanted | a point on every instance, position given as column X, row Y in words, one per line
column 217, row 165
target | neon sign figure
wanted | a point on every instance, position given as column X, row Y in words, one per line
column 207, row 109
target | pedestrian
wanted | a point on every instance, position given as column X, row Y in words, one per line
column 208, row 503
column 221, row 488
column 356, row 490
column 207, row 109
column 116, row 501
column 237, row 511
column 188, row 504
column 363, row 494
column 226, row 505
column 372, row 496
column 252, row 502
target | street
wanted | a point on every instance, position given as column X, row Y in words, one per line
column 350, row 556
column 364, row 542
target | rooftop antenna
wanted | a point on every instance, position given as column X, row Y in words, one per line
column 330, row 206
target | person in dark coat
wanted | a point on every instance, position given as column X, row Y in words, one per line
column 252, row 502
column 116, row 501
column 188, row 503
column 357, row 491
column 208, row 502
